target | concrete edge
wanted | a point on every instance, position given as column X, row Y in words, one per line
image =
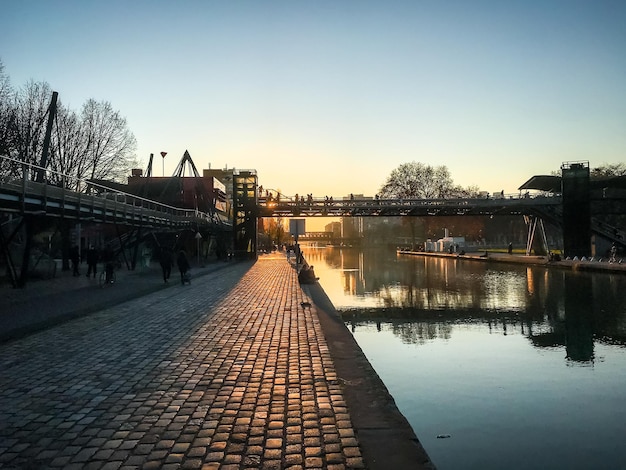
column 386, row 438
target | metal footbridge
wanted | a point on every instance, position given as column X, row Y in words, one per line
column 546, row 205
column 101, row 206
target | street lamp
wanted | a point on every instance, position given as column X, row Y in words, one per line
column 163, row 159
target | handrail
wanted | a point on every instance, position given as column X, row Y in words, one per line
column 25, row 184
column 289, row 200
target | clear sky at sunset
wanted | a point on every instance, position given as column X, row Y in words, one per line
column 328, row 97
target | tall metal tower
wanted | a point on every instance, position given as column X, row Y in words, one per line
column 576, row 209
column 245, row 213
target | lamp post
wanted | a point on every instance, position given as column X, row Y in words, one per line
column 163, row 160
column 198, row 238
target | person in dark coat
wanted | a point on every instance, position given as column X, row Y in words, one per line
column 183, row 265
column 92, row 260
column 75, row 259
column 108, row 256
column 166, row 260
column 307, row 275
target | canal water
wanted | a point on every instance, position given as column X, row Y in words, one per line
column 494, row 365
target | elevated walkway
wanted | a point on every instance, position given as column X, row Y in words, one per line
column 368, row 207
column 30, row 197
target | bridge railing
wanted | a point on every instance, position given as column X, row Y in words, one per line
column 403, row 206
column 377, row 200
column 19, row 193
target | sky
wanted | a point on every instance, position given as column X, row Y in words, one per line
column 329, row 97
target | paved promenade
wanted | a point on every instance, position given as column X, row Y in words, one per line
column 242, row 369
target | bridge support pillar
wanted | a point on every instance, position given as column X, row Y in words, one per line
column 537, row 240
column 5, row 241
column 29, row 226
column 576, row 209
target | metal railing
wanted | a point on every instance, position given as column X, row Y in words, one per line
column 20, row 194
column 511, row 204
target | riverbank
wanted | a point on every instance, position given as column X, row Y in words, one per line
column 574, row 265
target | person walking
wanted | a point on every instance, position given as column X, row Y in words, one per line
column 166, row 260
column 183, row 266
column 109, row 264
column 92, row 261
column 75, row 259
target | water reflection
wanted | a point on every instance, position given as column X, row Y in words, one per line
column 511, row 361
column 425, row 297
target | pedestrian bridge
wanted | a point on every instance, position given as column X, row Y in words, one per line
column 101, row 206
column 365, row 207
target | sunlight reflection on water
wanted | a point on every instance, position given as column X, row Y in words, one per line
column 522, row 367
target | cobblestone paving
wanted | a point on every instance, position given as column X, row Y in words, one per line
column 231, row 372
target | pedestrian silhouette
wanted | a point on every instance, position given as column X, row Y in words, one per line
column 109, row 264
column 166, row 260
column 183, row 267
column 75, row 258
column 307, row 275
column 92, row 260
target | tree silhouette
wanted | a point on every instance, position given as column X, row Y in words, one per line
column 95, row 144
column 417, row 180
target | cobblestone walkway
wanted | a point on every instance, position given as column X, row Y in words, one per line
column 232, row 372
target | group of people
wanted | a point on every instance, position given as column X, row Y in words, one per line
column 268, row 195
column 92, row 256
column 166, row 261
column 300, row 199
column 307, row 275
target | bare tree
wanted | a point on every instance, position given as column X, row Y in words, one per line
column 31, row 108
column 96, row 144
column 26, row 125
column 606, row 170
column 274, row 228
column 109, row 144
column 5, row 85
column 416, row 180
column 6, row 111
column 609, row 170
column 68, row 157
